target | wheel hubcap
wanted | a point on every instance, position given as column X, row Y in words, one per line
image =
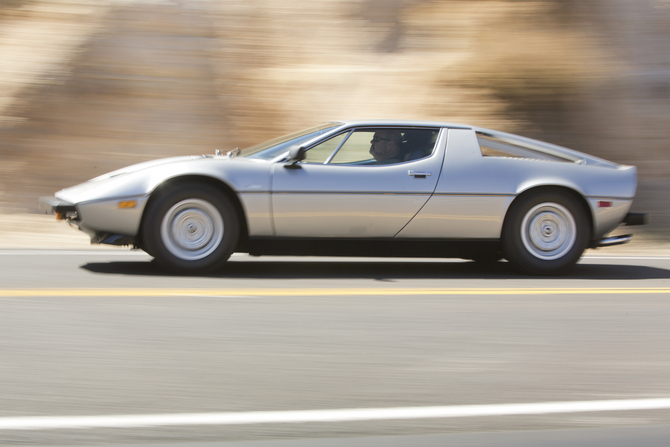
column 548, row 231
column 192, row 229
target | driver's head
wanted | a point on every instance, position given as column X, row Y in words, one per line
column 385, row 144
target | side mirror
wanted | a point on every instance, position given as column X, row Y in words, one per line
column 296, row 154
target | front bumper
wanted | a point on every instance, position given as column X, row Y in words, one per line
column 59, row 207
column 109, row 221
column 66, row 210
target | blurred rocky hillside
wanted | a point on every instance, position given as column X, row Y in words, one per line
column 87, row 86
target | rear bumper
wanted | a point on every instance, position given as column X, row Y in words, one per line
column 630, row 220
column 615, row 240
column 636, row 219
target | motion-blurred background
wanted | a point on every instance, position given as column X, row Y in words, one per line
column 88, row 86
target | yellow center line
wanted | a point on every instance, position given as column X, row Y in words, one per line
column 321, row 292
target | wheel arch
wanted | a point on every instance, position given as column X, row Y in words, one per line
column 553, row 188
column 212, row 182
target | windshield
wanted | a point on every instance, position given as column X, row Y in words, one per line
column 273, row 148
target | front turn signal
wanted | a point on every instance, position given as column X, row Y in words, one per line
column 128, row 204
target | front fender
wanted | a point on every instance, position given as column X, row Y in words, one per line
column 98, row 201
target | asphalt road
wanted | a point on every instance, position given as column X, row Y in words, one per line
column 104, row 333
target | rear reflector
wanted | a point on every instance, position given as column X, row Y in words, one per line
column 604, row 204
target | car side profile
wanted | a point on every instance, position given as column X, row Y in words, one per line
column 363, row 188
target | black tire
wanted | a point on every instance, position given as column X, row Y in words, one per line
column 545, row 232
column 190, row 228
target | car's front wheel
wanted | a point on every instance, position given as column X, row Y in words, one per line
column 190, row 228
column 545, row 232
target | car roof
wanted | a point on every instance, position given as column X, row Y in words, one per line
column 403, row 123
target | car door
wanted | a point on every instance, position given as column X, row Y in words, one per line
column 339, row 190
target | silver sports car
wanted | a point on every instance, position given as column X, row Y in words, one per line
column 363, row 188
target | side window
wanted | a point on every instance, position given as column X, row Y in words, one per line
column 320, row 153
column 385, row 146
column 418, row 143
column 356, row 150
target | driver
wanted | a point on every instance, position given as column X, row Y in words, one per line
column 385, row 146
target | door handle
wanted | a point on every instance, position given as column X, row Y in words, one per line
column 419, row 174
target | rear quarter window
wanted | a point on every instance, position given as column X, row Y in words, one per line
column 494, row 147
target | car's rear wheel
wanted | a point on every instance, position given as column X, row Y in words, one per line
column 545, row 232
column 190, row 228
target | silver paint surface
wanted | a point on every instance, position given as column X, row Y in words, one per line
column 466, row 195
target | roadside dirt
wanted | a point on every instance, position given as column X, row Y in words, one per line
column 142, row 87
